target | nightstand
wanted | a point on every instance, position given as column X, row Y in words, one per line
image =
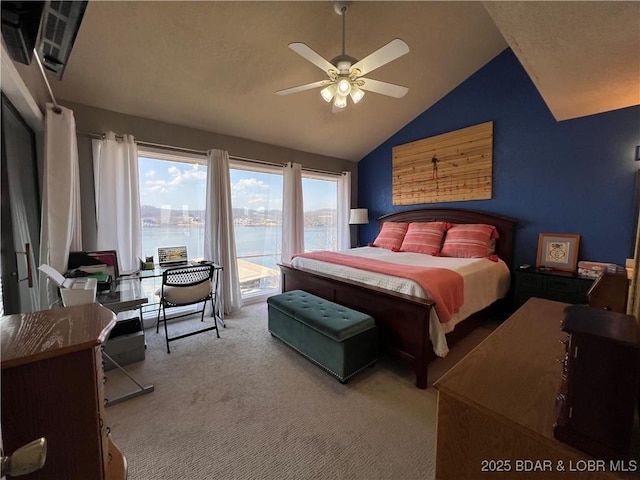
column 550, row 284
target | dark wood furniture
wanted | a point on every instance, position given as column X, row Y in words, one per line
column 550, row 284
column 597, row 398
column 403, row 320
column 497, row 406
column 52, row 387
column 610, row 291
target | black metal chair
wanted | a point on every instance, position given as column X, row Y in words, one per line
column 183, row 286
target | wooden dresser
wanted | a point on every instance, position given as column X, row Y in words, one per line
column 52, row 387
column 497, row 406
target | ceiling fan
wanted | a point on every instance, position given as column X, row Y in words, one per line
column 346, row 74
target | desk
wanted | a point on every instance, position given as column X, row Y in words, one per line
column 216, row 286
column 125, row 294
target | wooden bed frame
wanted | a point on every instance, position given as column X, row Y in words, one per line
column 403, row 320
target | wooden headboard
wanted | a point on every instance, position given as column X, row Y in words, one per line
column 505, row 226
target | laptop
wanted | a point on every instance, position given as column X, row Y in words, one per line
column 172, row 256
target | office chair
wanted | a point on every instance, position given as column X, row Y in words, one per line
column 182, row 286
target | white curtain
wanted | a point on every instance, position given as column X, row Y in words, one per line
column 344, row 208
column 117, row 189
column 61, row 228
column 633, row 302
column 219, row 237
column 292, row 212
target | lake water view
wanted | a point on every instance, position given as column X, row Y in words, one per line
column 259, row 245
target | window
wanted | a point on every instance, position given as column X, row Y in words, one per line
column 320, row 198
column 256, row 197
column 172, row 202
column 257, row 214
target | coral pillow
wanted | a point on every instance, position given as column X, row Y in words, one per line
column 468, row 240
column 424, row 237
column 390, row 236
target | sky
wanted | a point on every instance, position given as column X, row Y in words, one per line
column 176, row 184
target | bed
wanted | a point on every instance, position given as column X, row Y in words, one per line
column 406, row 318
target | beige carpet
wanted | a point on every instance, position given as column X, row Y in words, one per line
column 246, row 406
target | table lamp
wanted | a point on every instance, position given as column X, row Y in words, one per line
column 358, row 216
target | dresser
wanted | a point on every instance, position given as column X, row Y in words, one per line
column 53, row 387
column 497, row 407
column 550, row 284
column 597, row 401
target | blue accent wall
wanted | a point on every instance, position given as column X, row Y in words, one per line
column 574, row 176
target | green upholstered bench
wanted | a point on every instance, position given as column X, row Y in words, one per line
column 338, row 339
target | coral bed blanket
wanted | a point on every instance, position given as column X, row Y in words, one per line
column 445, row 287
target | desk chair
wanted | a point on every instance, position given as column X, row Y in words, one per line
column 182, row 286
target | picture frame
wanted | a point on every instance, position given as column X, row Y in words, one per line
column 558, row 251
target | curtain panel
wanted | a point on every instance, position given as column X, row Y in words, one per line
column 344, row 208
column 633, row 302
column 117, row 194
column 61, row 229
column 219, row 236
column 292, row 212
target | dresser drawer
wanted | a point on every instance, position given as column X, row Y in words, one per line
column 530, row 281
column 560, row 285
column 556, row 286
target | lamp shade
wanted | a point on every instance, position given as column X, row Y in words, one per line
column 358, row 216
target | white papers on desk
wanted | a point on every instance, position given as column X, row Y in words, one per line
column 55, row 275
column 123, row 287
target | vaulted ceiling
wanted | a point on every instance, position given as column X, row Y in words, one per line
column 216, row 66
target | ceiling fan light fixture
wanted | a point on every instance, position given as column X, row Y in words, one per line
column 340, row 101
column 356, row 93
column 344, row 86
column 346, row 73
column 328, row 92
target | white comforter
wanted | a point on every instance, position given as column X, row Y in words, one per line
column 484, row 282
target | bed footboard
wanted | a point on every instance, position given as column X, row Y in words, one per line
column 403, row 320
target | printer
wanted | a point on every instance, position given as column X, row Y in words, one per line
column 74, row 291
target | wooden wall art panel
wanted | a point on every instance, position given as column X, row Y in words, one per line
column 453, row 166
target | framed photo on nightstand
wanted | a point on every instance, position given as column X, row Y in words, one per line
column 558, row 251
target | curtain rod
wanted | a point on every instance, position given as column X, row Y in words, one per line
column 204, row 152
column 56, row 107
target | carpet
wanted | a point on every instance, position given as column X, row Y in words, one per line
column 246, row 406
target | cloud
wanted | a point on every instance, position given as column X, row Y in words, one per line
column 252, row 193
column 174, row 183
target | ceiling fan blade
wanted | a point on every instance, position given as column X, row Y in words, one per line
column 305, row 51
column 384, row 88
column 392, row 50
column 302, row 88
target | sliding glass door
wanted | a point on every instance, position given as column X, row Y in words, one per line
column 20, row 213
column 257, row 215
column 256, row 196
